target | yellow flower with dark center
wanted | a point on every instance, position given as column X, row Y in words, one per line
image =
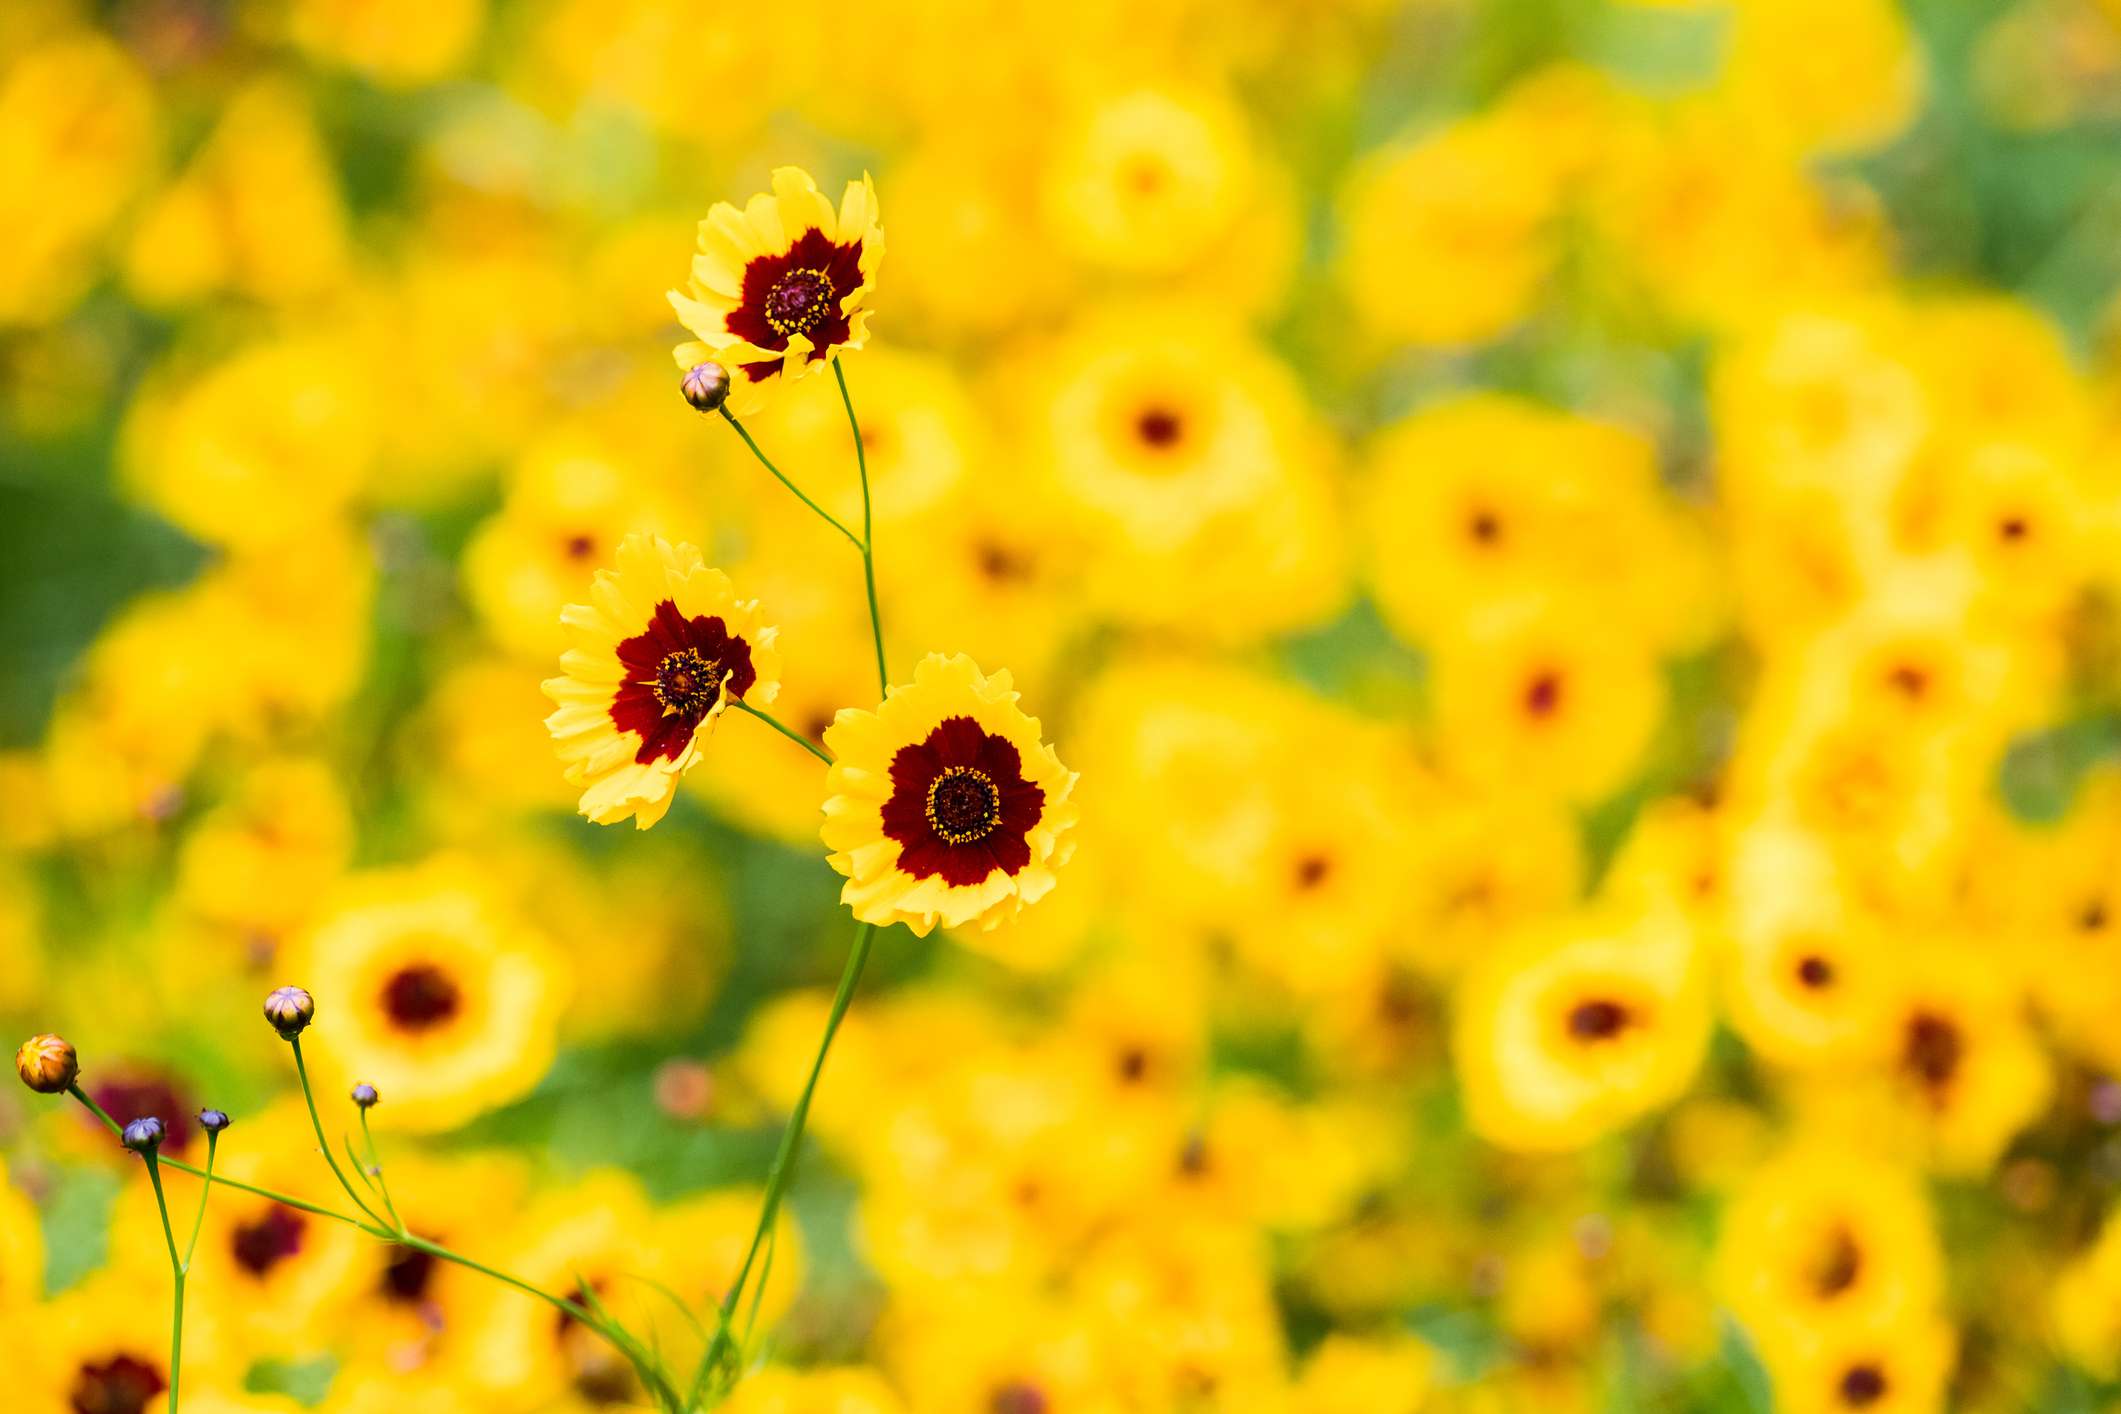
column 436, row 993
column 1824, row 1238
column 1572, row 1033
column 779, row 287
column 945, row 806
column 658, row 654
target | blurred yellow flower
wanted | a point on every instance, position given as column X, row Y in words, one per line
column 433, row 990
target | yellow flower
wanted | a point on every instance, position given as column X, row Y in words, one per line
column 1351, row 1375
column 100, row 1346
column 1897, row 1368
column 945, row 805
column 1826, row 1238
column 433, row 991
column 1564, row 1037
column 660, row 651
column 779, row 287
column 1447, row 239
column 1149, row 181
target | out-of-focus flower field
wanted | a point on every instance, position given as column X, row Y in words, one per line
column 1574, row 545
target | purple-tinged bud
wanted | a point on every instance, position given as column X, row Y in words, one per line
column 47, row 1064
column 290, row 1010
column 365, row 1096
column 143, row 1135
column 706, row 386
column 213, row 1121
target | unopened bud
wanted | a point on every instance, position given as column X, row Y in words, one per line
column 47, row 1064
column 706, row 386
column 364, row 1095
column 213, row 1121
column 290, row 1010
column 143, row 1135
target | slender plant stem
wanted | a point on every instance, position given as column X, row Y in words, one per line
column 404, row 1238
column 309, row 1098
column 301, row 1205
column 822, row 513
column 177, row 1269
column 861, row 462
column 213, row 1141
column 375, row 1166
column 797, row 737
column 784, row 1158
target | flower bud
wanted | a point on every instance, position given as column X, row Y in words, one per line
column 364, row 1095
column 47, row 1064
column 290, row 1010
column 144, row 1135
column 213, row 1121
column 706, row 386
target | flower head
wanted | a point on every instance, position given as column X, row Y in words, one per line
column 778, row 287
column 47, row 1064
column 290, row 1010
column 659, row 652
column 214, row 1121
column 705, row 386
column 143, row 1136
column 364, row 1095
column 945, row 807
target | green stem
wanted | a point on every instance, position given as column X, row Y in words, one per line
column 285, row 1200
column 822, row 513
column 868, row 545
column 784, row 1158
column 309, row 1098
column 375, row 1165
column 176, row 1277
column 797, row 737
column 213, row 1139
column 404, row 1238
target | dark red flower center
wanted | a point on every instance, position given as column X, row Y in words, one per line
column 1862, row 1386
column 1932, row 1050
column 1815, row 971
column 130, row 1097
column 1017, row 1397
column 960, row 806
column 420, row 997
column 407, row 1276
column 1159, row 428
column 123, row 1384
column 1597, row 1020
column 797, row 301
column 677, row 670
column 797, row 293
column 963, row 805
column 260, row 1246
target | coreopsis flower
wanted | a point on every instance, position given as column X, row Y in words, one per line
column 778, row 287
column 945, row 805
column 47, row 1064
column 660, row 651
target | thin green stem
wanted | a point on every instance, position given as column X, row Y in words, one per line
column 822, row 513
column 403, row 1237
column 309, row 1098
column 784, row 1158
column 797, row 737
column 213, row 1140
column 868, row 545
column 176, row 1278
column 375, row 1166
column 285, row 1200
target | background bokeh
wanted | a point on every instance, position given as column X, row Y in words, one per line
column 1573, row 543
